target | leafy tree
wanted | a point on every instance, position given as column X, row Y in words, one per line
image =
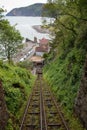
column 1, row 11
column 10, row 38
column 50, row 9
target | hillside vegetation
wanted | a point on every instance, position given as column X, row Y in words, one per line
column 17, row 83
column 16, row 80
column 65, row 62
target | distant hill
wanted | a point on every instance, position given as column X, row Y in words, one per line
column 32, row 10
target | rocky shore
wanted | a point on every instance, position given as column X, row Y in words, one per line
column 40, row 29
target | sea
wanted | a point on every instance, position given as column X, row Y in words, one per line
column 24, row 25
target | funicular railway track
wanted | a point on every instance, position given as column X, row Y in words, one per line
column 42, row 112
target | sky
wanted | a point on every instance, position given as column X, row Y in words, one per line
column 10, row 4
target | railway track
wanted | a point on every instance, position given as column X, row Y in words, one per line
column 42, row 112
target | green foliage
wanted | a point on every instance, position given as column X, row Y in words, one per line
column 26, row 64
column 64, row 72
column 64, row 76
column 17, row 83
column 10, row 39
column 1, row 11
column 9, row 125
column 50, row 10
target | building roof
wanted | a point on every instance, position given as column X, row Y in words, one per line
column 41, row 49
column 37, row 59
column 44, row 41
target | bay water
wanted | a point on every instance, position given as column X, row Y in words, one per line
column 24, row 25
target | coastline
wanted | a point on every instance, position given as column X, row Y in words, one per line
column 40, row 29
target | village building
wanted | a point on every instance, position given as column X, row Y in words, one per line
column 43, row 47
column 39, row 51
column 43, row 42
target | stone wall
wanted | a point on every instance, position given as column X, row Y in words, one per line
column 3, row 109
column 81, row 100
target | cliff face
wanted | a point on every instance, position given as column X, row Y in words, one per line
column 81, row 100
column 32, row 10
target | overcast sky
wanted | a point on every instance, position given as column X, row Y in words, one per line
column 10, row 4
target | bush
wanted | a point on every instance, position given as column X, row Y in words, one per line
column 17, row 83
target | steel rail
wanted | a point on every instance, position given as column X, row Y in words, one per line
column 44, row 113
column 41, row 118
column 25, row 113
column 62, row 118
column 39, row 97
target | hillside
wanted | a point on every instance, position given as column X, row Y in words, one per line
column 65, row 62
column 32, row 10
column 64, row 74
column 16, row 82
